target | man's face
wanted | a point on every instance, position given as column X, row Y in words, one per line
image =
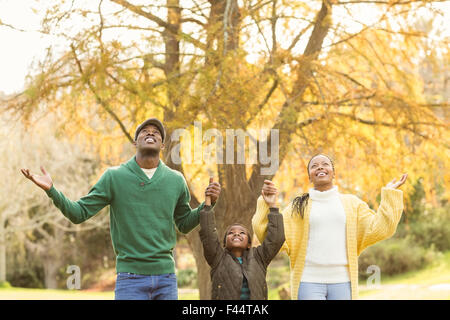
column 237, row 237
column 149, row 139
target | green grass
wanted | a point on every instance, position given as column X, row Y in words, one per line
column 432, row 282
column 50, row 294
column 190, row 294
column 438, row 272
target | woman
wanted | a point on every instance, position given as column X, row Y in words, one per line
column 326, row 231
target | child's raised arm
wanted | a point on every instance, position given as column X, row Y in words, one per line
column 274, row 239
column 212, row 249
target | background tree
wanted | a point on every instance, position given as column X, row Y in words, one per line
column 340, row 77
column 27, row 215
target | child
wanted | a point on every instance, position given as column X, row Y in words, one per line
column 238, row 271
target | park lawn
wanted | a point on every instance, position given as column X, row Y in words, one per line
column 431, row 283
column 51, row 294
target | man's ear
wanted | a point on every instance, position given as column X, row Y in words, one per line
column 162, row 146
column 134, row 143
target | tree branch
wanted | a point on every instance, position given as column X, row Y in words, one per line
column 169, row 27
column 100, row 101
column 263, row 103
column 134, row 91
column 390, row 3
column 383, row 123
column 286, row 121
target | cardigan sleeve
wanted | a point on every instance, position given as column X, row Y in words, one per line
column 260, row 221
column 372, row 226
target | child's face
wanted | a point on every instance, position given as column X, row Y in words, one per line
column 237, row 238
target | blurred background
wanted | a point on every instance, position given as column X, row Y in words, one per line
column 366, row 82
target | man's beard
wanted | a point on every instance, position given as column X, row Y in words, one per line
column 150, row 152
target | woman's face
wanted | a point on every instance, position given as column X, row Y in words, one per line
column 321, row 172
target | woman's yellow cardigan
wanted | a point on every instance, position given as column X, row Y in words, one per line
column 364, row 227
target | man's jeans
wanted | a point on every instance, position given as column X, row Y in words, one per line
column 324, row 291
column 130, row 286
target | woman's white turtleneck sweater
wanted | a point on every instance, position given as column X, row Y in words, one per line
column 326, row 255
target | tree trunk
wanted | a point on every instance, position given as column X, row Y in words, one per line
column 237, row 202
column 172, row 53
column 51, row 273
column 50, row 250
column 171, row 67
column 203, row 269
column 2, row 248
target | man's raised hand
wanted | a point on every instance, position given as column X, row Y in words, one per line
column 212, row 191
column 45, row 182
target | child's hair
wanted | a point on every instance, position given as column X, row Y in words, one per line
column 299, row 204
column 236, row 224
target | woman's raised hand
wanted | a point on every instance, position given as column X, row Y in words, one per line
column 270, row 193
column 394, row 184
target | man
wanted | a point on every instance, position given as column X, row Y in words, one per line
column 147, row 201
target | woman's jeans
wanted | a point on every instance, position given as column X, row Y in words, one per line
column 130, row 286
column 324, row 291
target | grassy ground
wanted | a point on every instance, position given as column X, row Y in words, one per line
column 430, row 283
column 47, row 294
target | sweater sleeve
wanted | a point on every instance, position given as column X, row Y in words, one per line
column 212, row 249
column 86, row 207
column 260, row 222
column 372, row 226
column 185, row 217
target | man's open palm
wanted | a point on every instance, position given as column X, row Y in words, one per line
column 45, row 182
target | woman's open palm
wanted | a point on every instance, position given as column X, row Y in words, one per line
column 394, row 184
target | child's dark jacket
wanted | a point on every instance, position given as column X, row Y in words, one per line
column 226, row 272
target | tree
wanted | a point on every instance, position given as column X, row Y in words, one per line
column 322, row 78
column 26, row 209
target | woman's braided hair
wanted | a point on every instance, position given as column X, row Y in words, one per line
column 299, row 203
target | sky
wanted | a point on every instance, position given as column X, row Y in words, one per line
column 19, row 49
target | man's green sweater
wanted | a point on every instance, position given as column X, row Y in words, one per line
column 143, row 214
